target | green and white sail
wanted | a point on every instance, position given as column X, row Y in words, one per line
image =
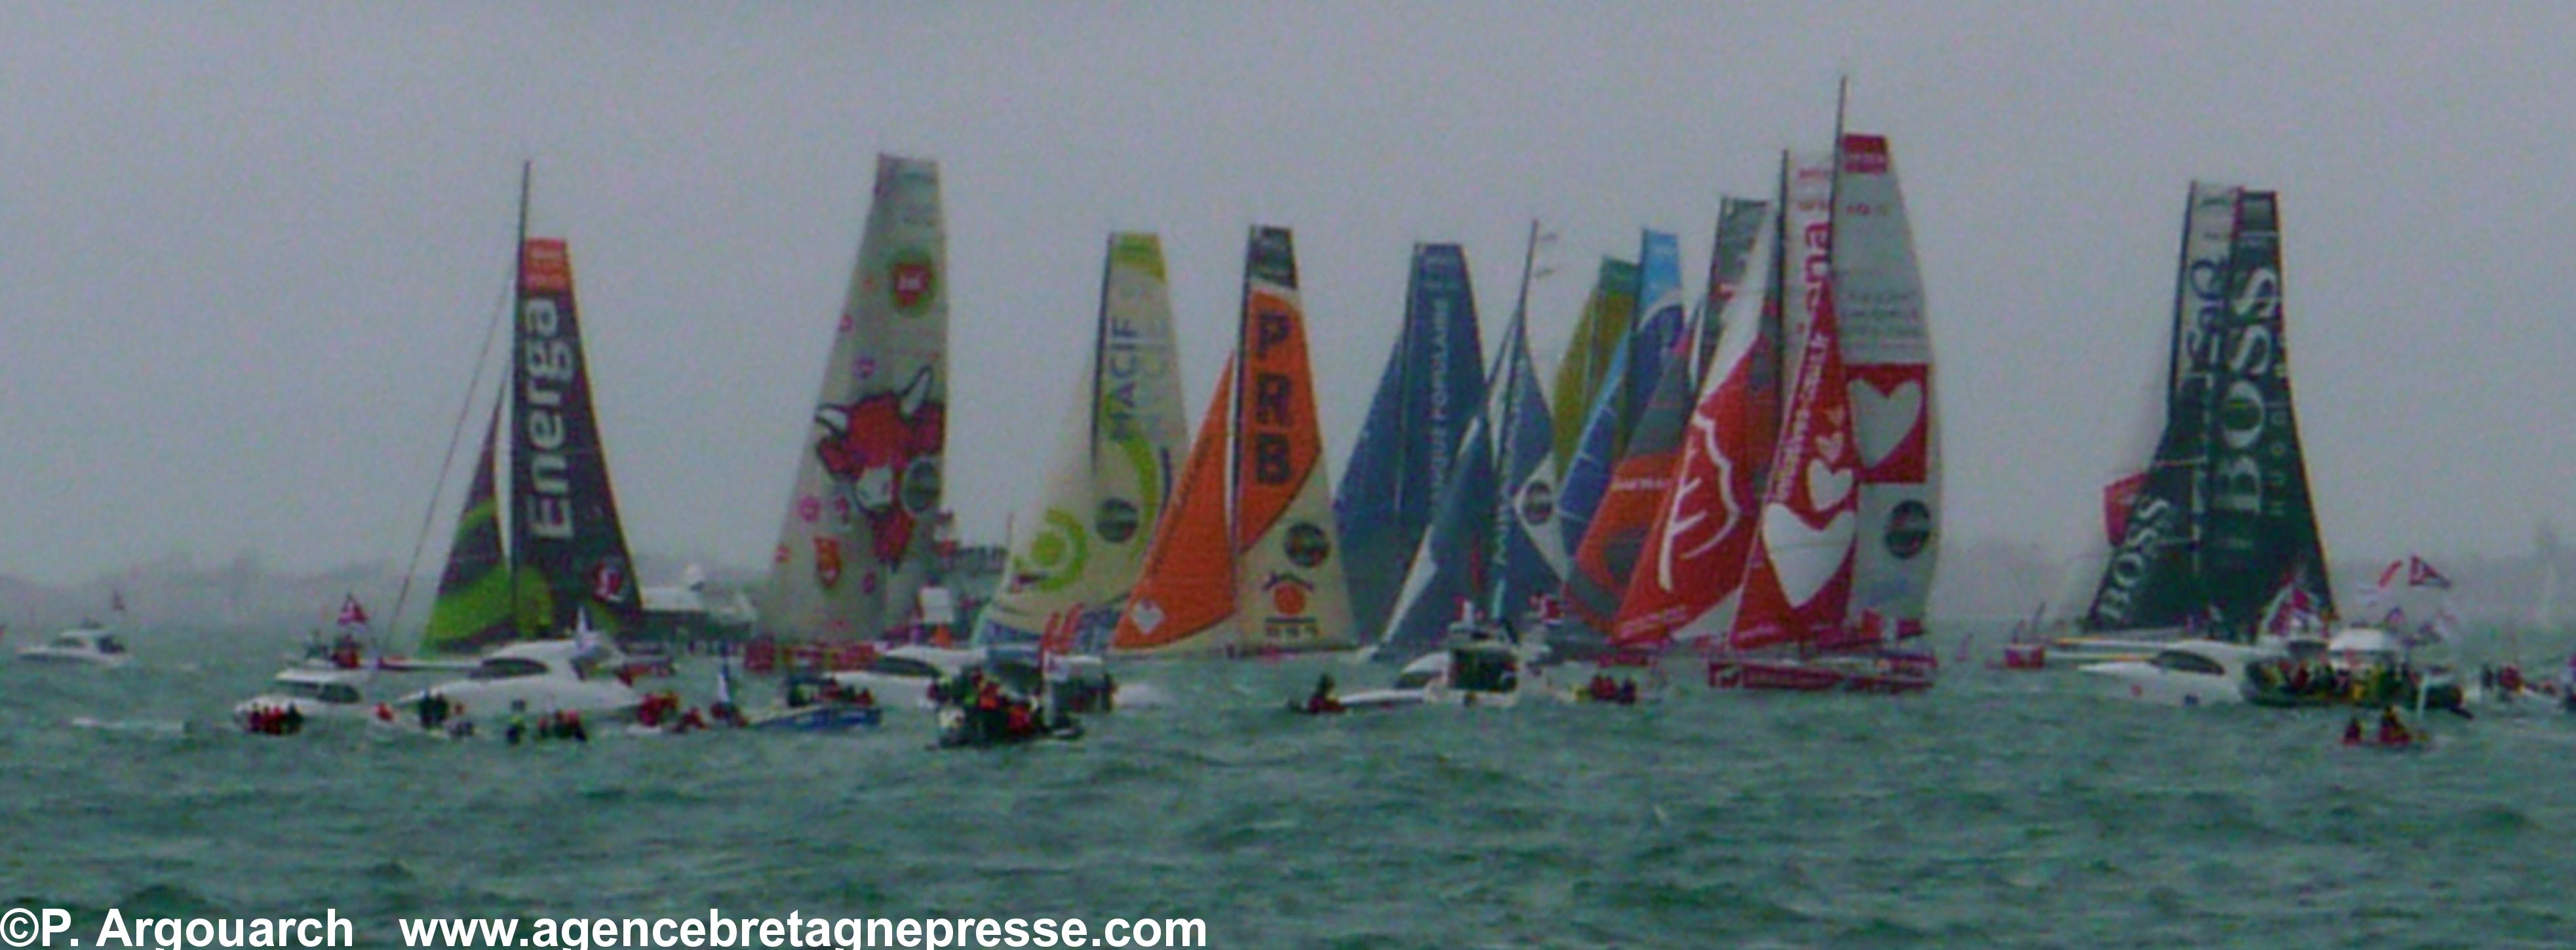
column 856, row 546
column 1116, row 462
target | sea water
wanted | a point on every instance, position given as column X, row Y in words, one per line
column 2000, row 809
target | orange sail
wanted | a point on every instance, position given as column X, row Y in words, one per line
column 1186, row 596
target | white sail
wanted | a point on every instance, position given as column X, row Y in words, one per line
column 856, row 545
column 1117, row 458
column 1887, row 348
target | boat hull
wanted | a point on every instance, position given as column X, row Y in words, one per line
column 1816, row 677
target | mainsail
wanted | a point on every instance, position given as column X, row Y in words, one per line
column 1262, row 484
column 1797, row 588
column 2222, row 523
column 1426, row 398
column 855, row 548
column 1692, row 568
column 1529, row 551
column 1115, row 466
column 566, row 545
column 1878, row 306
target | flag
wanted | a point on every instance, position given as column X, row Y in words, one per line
column 352, row 613
column 2420, row 573
column 1548, row 607
column 116, row 600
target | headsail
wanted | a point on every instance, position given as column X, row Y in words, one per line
column 1183, row 602
column 472, row 611
column 1878, row 304
column 1529, row 551
column 565, row 540
column 1115, row 467
column 1797, row 588
column 855, row 547
column 1451, row 573
column 1430, row 391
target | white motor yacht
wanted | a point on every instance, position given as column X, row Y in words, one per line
column 2184, row 673
column 535, row 677
column 902, row 676
column 315, row 693
column 88, row 644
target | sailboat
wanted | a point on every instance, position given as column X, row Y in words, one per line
column 2218, row 523
column 1842, row 557
column 1112, row 483
column 538, row 580
column 1427, row 399
column 560, row 553
column 855, row 549
column 1247, row 561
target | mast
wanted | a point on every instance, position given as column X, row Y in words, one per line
column 501, row 471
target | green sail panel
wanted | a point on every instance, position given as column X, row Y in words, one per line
column 856, row 546
column 1115, row 466
column 2262, row 525
column 568, row 548
column 472, row 611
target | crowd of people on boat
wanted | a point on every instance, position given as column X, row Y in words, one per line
column 1604, row 689
column 2374, row 683
column 560, row 724
column 986, row 713
column 273, row 720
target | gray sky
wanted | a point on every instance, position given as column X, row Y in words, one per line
column 247, row 250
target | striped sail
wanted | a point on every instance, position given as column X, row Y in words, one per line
column 855, row 547
column 1626, row 459
column 1887, row 348
column 1288, row 562
column 566, row 545
column 472, row 611
column 1426, row 399
column 1117, row 459
column 1596, row 342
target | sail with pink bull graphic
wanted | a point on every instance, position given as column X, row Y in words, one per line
column 855, row 548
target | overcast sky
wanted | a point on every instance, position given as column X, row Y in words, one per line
column 247, row 251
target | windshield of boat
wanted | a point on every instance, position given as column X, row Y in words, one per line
column 110, row 645
column 903, row 666
column 335, row 693
column 1416, row 679
column 2185, row 662
column 508, row 667
column 1490, row 671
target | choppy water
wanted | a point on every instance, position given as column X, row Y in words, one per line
column 1998, row 810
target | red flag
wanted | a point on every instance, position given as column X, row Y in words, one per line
column 2420, row 573
column 352, row 614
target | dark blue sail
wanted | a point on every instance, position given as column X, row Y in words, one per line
column 1431, row 390
column 1452, row 569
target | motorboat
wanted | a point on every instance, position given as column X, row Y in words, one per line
column 908, row 671
column 313, row 693
column 535, row 678
column 2185, row 673
column 2356, row 666
column 87, row 644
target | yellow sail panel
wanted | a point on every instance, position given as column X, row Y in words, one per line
column 1184, row 602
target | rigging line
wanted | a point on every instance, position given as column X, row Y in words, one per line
column 464, row 410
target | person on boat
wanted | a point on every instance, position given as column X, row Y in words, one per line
column 2392, row 730
column 1322, row 699
column 292, row 721
column 518, row 728
column 866, row 699
column 1627, row 692
column 2352, row 730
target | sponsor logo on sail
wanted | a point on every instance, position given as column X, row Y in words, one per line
column 1117, row 520
column 912, row 278
column 1307, row 545
column 1909, row 529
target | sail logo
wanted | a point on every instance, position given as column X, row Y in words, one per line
column 2148, row 523
column 1290, row 596
column 1706, row 466
column 608, row 581
column 827, row 561
column 1537, row 503
column 1909, row 530
column 1306, row 545
column 1117, row 521
column 548, row 370
column 2244, row 411
column 912, row 278
column 1057, row 555
column 881, row 452
column 1272, row 395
